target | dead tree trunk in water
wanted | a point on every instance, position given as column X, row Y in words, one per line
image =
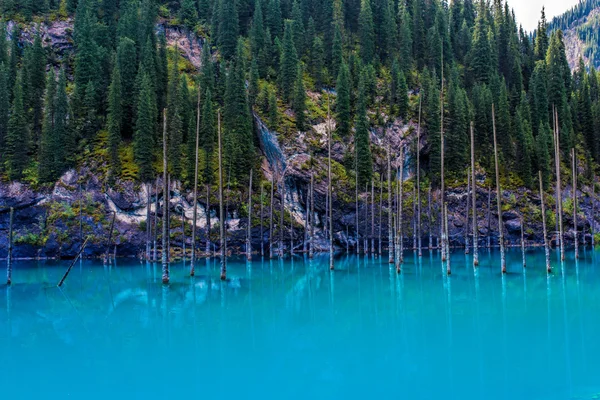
column 222, row 216
column 329, row 190
column 592, row 223
column 574, row 196
column 546, row 246
column 523, row 242
column 448, row 268
column 168, row 211
column 489, row 218
column 306, row 220
column 474, row 198
column 208, row 225
column 10, row 248
column 281, row 216
column 356, row 200
column 499, row 196
column 430, row 221
column 249, row 232
column 558, row 186
column 400, row 208
column 195, row 216
column 148, row 221
column 155, row 256
column 271, row 218
column 165, row 260
column 380, row 217
column 372, row 216
column 390, row 213
column 311, row 248
column 366, row 229
column 442, row 150
column 110, row 235
column 468, row 210
column 262, row 241
column 418, row 151
column 414, row 222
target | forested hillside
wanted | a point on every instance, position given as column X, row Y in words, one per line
column 581, row 26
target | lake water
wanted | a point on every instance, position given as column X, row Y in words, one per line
column 292, row 330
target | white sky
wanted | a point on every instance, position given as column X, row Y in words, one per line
column 528, row 11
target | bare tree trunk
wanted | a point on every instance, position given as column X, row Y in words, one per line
column 148, row 221
column 271, row 218
column 168, row 211
column 155, row 227
column 249, row 233
column 442, row 151
column 523, row 242
column 10, row 248
column 165, row 261
column 474, row 198
column 222, row 216
column 499, row 196
column 414, row 222
column 366, row 230
column 262, row 233
column 311, row 248
column 306, row 220
column 356, row 200
column 489, row 218
column 208, row 227
column 574, row 196
column 390, row 212
column 418, row 151
column 430, row 221
column 182, row 225
column 110, row 235
column 468, row 210
column 546, row 246
column 397, row 238
column 380, row 218
column 195, row 217
column 447, row 244
column 73, row 262
column 372, row 216
column 593, row 222
column 329, row 190
column 401, row 207
column 281, row 216
column 558, row 187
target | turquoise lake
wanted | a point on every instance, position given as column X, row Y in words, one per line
column 290, row 329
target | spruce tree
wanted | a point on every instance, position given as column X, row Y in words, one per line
column 342, row 105
column 274, row 19
column 480, row 58
column 316, row 62
column 128, row 70
column 257, row 31
column 35, row 68
column 143, row 140
column 114, row 121
column 253, row 83
column 188, row 14
column 273, row 110
column 228, row 30
column 49, row 143
column 543, row 144
column 366, row 32
column 288, row 64
column 4, row 109
column 524, row 142
column 364, row 162
column 300, row 101
column 405, row 41
column 541, row 38
column 208, row 134
column 298, row 30
column 14, row 59
column 17, row 136
column 337, row 57
column 63, row 129
column 3, row 44
column 457, row 131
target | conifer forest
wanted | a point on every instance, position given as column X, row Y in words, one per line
column 282, row 126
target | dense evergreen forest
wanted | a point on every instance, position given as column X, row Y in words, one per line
column 372, row 61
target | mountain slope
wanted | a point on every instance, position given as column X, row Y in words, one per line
column 581, row 26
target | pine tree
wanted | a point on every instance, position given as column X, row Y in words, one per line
column 3, row 44
column 524, row 142
column 457, row 132
column 4, row 109
column 208, row 134
column 366, row 32
column 188, row 14
column 162, row 71
column 14, row 59
column 35, row 67
column 405, row 41
column 541, row 38
column 253, row 83
column 47, row 168
column 128, row 70
column 480, row 58
column 17, row 136
column 87, row 63
column 143, row 140
column 274, row 19
column 237, row 123
column 337, row 58
column 298, row 30
column 207, row 70
column 273, row 110
column 63, row 129
column 257, row 31
column 364, row 162
column 288, row 64
column 558, row 84
column 543, row 144
column 300, row 101
column 342, row 106
column 316, row 62
column 114, row 121
column 228, row 28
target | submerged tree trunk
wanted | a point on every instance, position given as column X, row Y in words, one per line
column 366, row 230
column 109, row 239
column 442, row 151
column 208, row 227
column 380, row 218
column 165, row 261
column 390, row 212
column 311, row 248
column 400, row 208
column 546, row 246
column 499, row 196
column 430, row 221
column 523, row 242
column 558, row 187
column 10, row 248
column 593, row 221
column 356, row 200
column 329, row 190
column 195, row 214
column 306, row 220
column 155, row 256
column 222, row 216
column 474, row 198
column 372, row 216
column 489, row 218
column 249, row 232
column 468, row 210
column 262, row 233
column 447, row 244
column 148, row 221
column 281, row 216
column 271, row 218
column 574, row 196
column 418, row 152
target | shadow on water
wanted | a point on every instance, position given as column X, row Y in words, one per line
column 308, row 331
